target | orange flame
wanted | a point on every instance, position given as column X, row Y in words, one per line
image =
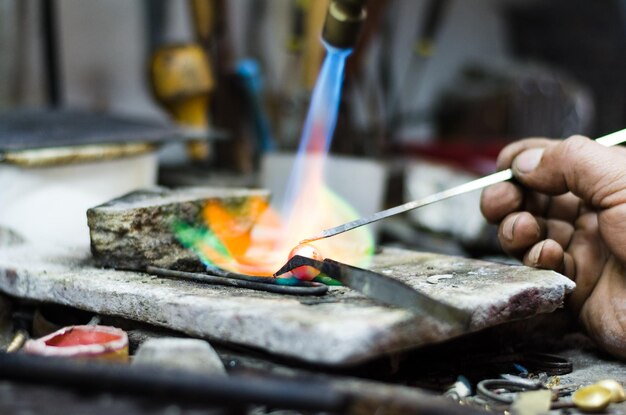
column 257, row 240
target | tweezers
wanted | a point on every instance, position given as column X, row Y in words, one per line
column 383, row 289
column 219, row 276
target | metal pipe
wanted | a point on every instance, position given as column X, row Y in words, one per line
column 173, row 385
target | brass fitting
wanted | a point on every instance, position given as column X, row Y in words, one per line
column 343, row 23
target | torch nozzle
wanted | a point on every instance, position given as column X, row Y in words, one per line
column 343, row 23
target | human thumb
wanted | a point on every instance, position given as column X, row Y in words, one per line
column 589, row 170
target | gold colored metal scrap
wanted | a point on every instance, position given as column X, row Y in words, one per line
column 56, row 156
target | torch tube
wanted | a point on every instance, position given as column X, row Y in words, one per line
column 343, row 23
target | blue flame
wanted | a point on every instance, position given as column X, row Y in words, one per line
column 321, row 119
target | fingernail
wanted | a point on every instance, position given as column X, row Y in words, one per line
column 535, row 253
column 528, row 160
column 507, row 230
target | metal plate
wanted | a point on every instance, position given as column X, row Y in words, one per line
column 35, row 129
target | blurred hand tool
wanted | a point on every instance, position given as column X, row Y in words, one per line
column 432, row 19
column 203, row 16
column 182, row 79
column 501, row 176
column 249, row 73
column 235, row 154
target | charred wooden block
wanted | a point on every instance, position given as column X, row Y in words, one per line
column 136, row 230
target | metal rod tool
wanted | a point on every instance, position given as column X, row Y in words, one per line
column 216, row 276
column 501, row 176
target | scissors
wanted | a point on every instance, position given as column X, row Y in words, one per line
column 538, row 362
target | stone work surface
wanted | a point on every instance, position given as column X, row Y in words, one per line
column 137, row 229
column 340, row 328
column 494, row 293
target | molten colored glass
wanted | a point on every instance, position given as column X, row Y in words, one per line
column 306, row 273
